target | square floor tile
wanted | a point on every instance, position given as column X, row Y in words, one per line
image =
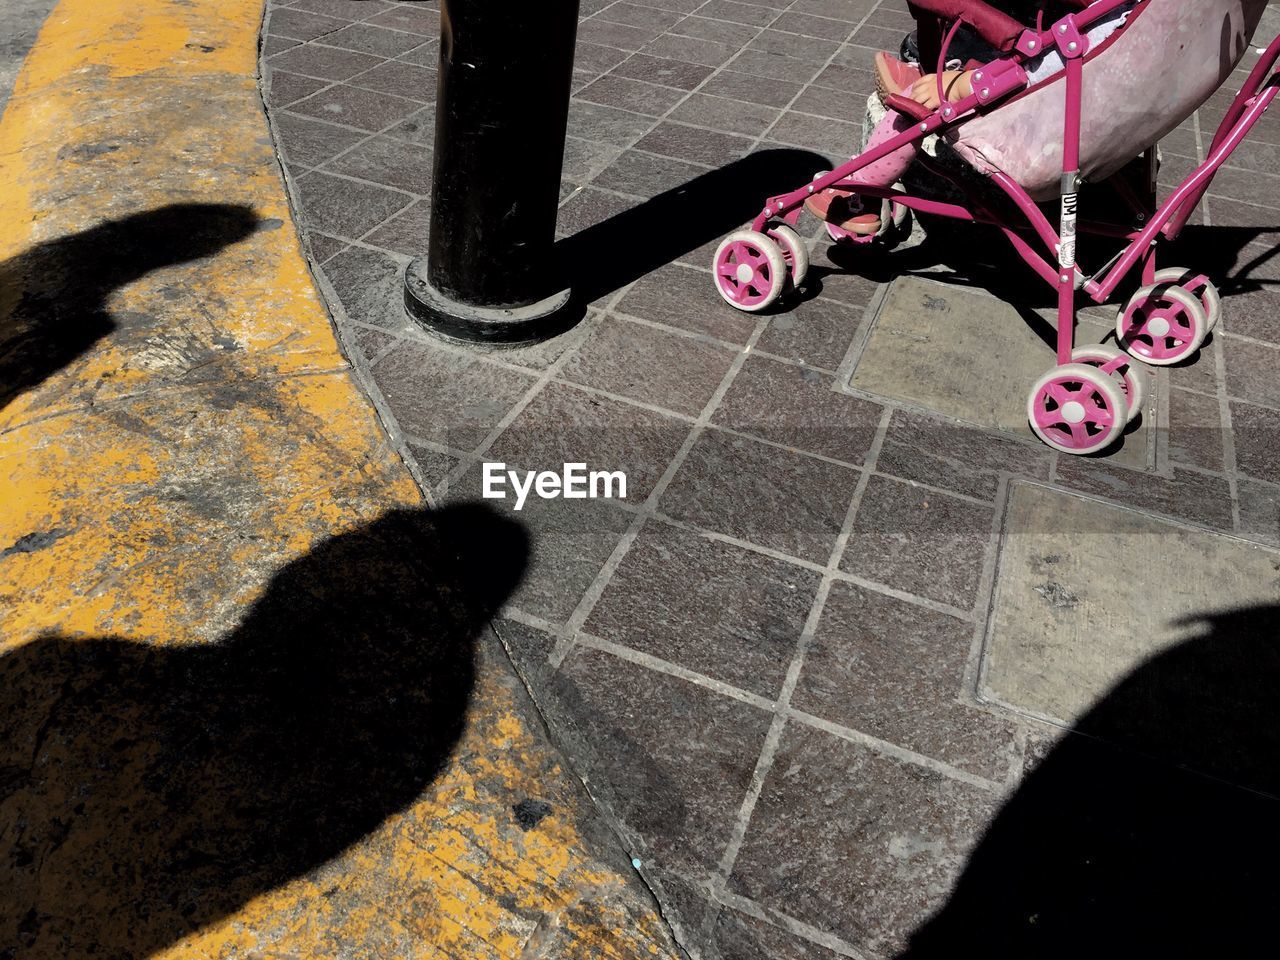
column 583, row 159
column 596, row 58
column 1257, row 436
column 1086, row 592
column 830, row 280
column 1253, row 372
column 740, row 936
column 669, row 73
column 284, row 88
column 620, row 35
column 1260, row 511
column 856, row 844
column 708, row 53
column 273, row 45
column 815, row 331
column 721, row 31
column 686, row 298
column 400, row 79
column 807, row 25
column 345, row 207
column 646, row 176
column 419, row 128
column 895, row 671
column 388, row 161
column 943, row 453
column 762, row 494
column 772, row 66
column 310, row 142
column 588, row 207
column 734, row 12
column 366, row 38
column 818, row 133
column 966, row 355
column 569, row 542
column 321, row 248
column 634, row 95
column 563, row 424
column 1195, row 430
column 329, row 63
column 447, row 397
column 798, row 408
column 433, row 466
column 638, row 16
column 736, row 85
column 1184, row 494
column 1252, row 312
column 677, row 757
column 356, row 107
column 663, row 369
column 426, row 55
column 406, row 232
column 604, row 124
column 835, row 104
column 301, row 24
column 347, row 9
column 721, row 113
column 370, row 287
column 708, row 606
column 920, row 541
column 695, row 144
column 422, row 20
column 813, row 49
column 850, row 80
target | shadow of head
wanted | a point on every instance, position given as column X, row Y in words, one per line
column 148, row 790
column 1151, row 828
column 53, row 296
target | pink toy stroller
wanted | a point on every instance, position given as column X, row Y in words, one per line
column 1037, row 144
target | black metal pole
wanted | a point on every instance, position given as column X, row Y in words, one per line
column 502, row 106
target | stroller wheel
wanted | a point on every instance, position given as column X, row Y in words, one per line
column 1197, row 284
column 1162, row 325
column 1077, row 409
column 750, row 271
column 1132, row 379
column 794, row 252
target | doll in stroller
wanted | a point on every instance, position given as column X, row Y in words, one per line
column 1083, row 97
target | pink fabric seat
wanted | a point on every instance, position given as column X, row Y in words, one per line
column 1139, row 85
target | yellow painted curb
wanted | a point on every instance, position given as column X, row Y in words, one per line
column 177, row 423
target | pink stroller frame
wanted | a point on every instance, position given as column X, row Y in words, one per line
column 1084, row 403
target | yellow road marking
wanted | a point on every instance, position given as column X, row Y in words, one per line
column 217, row 382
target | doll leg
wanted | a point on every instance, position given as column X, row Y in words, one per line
column 843, row 207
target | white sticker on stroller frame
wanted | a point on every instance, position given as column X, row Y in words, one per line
column 1067, row 250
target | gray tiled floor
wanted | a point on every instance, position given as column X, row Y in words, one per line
column 765, row 661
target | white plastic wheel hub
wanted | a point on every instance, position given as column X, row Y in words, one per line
column 1073, row 412
column 1159, row 327
column 744, row 273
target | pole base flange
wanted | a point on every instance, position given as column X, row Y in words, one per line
column 467, row 323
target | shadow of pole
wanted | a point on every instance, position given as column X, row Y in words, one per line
column 53, row 297
column 1152, row 829
column 148, row 790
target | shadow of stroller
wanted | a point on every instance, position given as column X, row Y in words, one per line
column 53, row 297
column 147, row 790
column 978, row 256
column 604, row 258
column 1152, row 830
